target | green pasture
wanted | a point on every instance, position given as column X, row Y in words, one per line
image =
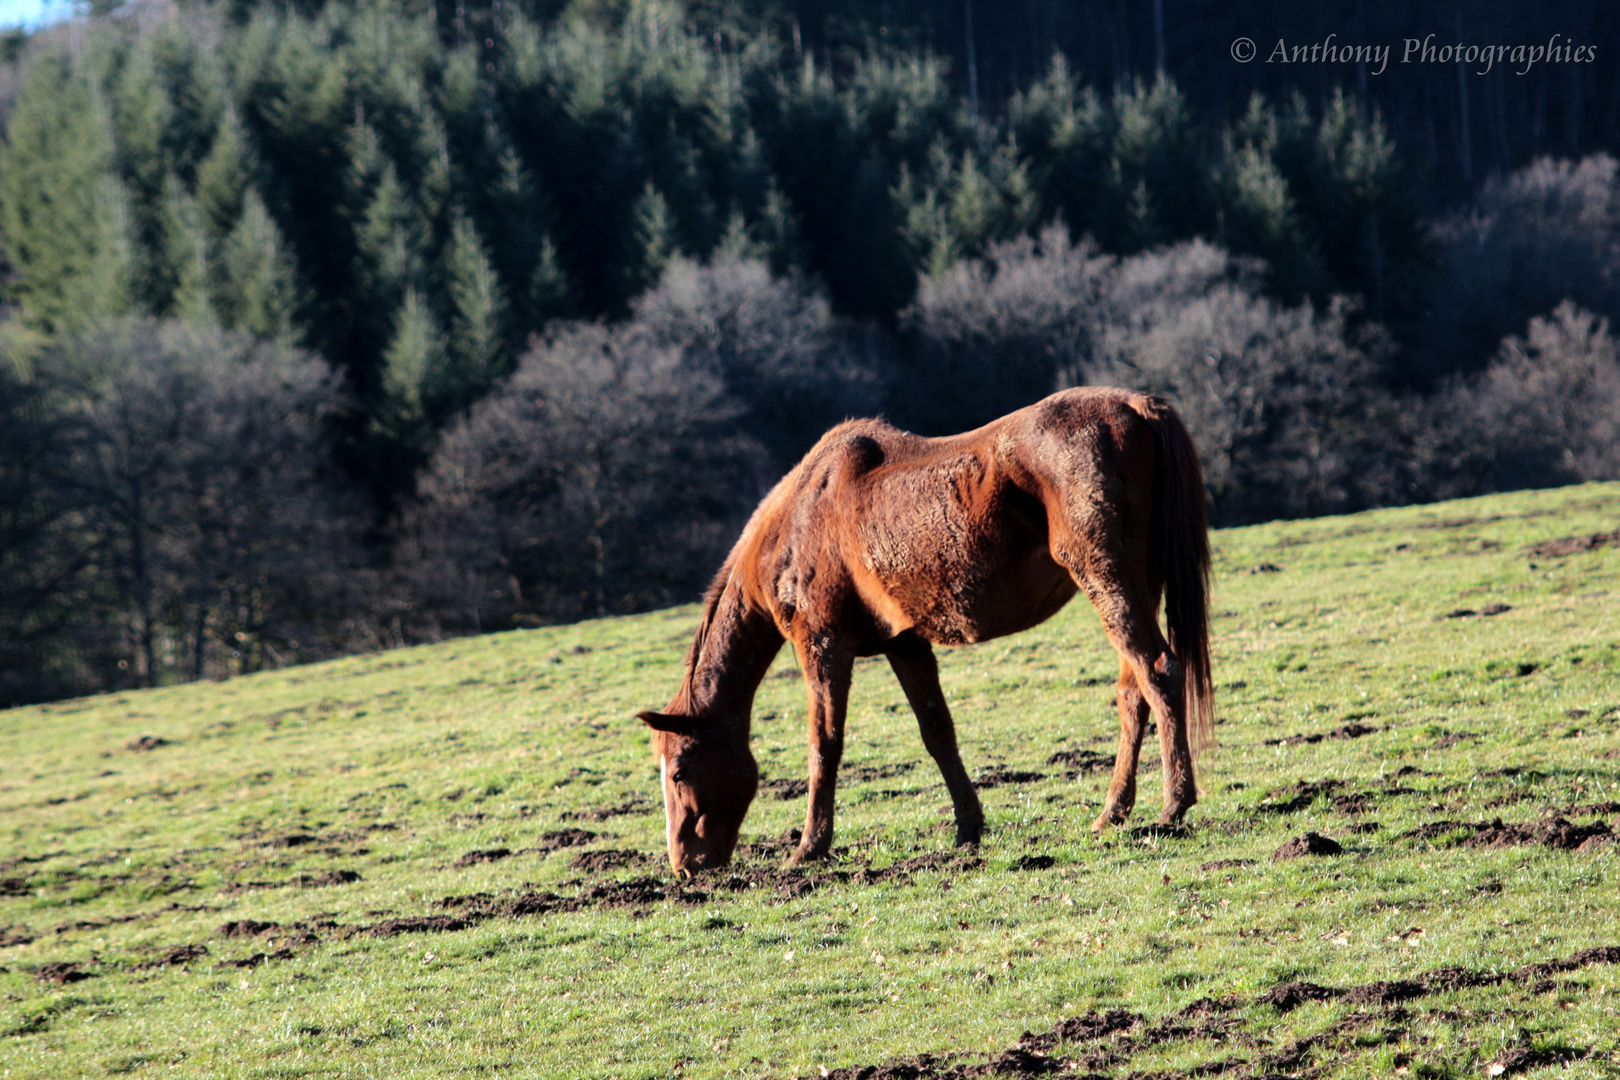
column 339, row 801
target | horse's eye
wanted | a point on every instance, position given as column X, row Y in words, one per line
column 678, row 777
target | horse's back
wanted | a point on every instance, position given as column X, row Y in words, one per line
column 950, row 537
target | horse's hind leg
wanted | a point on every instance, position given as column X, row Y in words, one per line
column 1133, row 718
column 1133, row 629
column 913, row 663
column 828, row 665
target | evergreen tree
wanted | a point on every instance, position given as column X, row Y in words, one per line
column 64, row 212
column 260, row 291
column 476, row 348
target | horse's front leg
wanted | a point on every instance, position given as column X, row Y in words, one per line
column 828, row 665
column 915, row 667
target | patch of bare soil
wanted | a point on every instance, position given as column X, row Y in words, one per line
column 558, row 839
column 246, row 928
column 1034, row 862
column 488, row 855
column 1518, row 1059
column 607, row 859
column 997, row 775
column 256, row 959
column 861, row 774
column 1309, row 844
column 1102, row 1043
column 1485, row 612
column 416, row 924
column 1296, row 797
column 143, row 743
column 603, row 813
column 15, row 935
column 1225, row 864
column 298, row 881
column 1352, row 730
column 174, row 956
column 1554, row 832
column 1570, row 545
column 14, row 886
column 786, row 787
column 62, row 972
column 1080, row 762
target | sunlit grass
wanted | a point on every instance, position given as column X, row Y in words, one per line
column 398, row 764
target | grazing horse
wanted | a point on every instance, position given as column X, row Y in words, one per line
column 881, row 541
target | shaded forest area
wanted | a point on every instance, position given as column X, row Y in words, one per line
column 334, row 326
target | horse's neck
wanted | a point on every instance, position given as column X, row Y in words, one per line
column 733, row 651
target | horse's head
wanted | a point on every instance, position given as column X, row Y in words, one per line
column 709, row 778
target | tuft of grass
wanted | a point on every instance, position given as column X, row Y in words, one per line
column 339, row 800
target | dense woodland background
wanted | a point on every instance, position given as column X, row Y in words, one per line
column 331, row 326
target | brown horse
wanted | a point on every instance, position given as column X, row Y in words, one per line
column 880, row 541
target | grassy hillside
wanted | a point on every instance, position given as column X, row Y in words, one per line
column 448, row 860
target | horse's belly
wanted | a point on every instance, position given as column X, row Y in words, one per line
column 975, row 603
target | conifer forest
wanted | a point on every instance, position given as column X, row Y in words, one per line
column 330, row 325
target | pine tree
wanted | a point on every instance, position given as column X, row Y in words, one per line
column 260, row 292
column 63, row 210
column 476, row 350
column 652, row 240
column 414, row 359
column 223, row 176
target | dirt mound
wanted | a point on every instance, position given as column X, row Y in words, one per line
column 256, row 959
column 417, row 924
column 603, row 813
column 1352, row 730
column 1034, row 862
column 14, row 886
column 1570, row 545
column 1456, row 978
column 488, row 855
column 1081, row 762
column 1309, row 844
column 1518, row 1059
column 861, row 774
column 1291, row 995
column 1555, row 832
column 10, row 936
column 1222, row 1021
column 606, row 859
column 786, row 787
column 1384, row 993
column 246, row 928
column 558, row 839
column 62, row 972
column 1225, row 864
column 1296, row 797
column 1485, row 612
column 143, row 743
column 175, row 956
column 997, row 775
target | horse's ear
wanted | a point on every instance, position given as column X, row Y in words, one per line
column 674, row 725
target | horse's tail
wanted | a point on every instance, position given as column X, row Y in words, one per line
column 1181, row 549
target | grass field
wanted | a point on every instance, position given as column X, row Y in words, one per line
column 448, row 860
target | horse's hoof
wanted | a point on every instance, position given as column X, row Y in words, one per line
column 804, row 855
